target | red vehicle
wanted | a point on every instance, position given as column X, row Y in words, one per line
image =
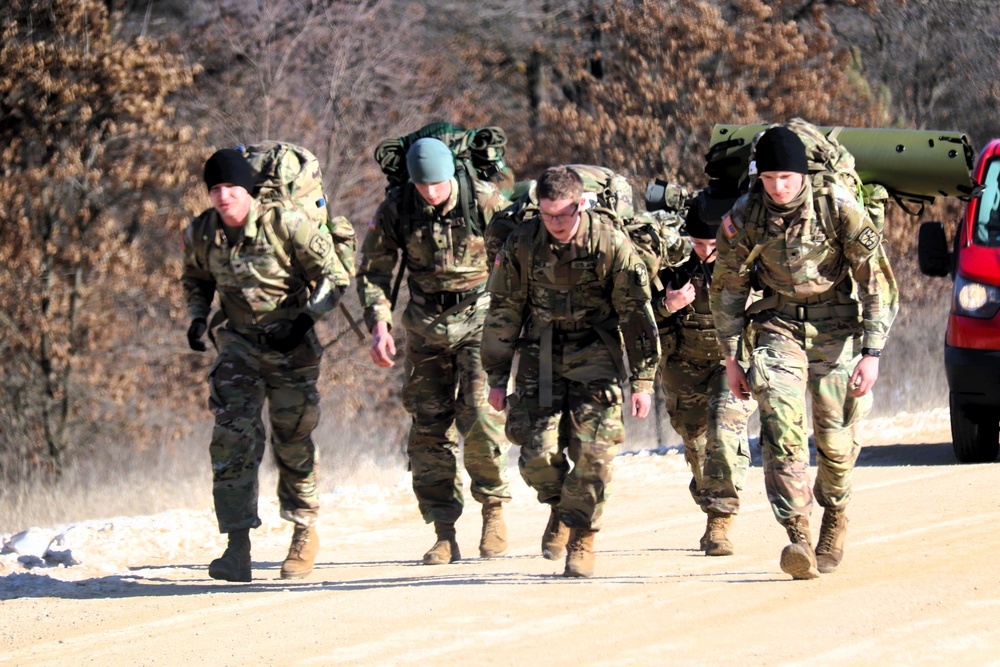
column 972, row 341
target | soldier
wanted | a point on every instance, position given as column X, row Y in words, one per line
column 563, row 293
column 826, row 312
column 709, row 418
column 276, row 272
column 443, row 250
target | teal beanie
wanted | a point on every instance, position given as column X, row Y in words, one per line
column 430, row 161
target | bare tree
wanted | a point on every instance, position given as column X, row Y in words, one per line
column 937, row 60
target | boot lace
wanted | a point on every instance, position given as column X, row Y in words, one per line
column 827, row 532
column 299, row 540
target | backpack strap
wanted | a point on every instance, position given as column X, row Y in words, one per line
column 404, row 213
column 467, row 197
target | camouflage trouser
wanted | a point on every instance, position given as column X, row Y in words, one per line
column 790, row 359
column 446, row 392
column 713, row 425
column 245, row 374
column 583, row 424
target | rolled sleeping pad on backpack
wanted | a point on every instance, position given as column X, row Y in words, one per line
column 913, row 165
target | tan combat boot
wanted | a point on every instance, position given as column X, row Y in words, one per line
column 555, row 537
column 301, row 554
column 234, row 564
column 580, row 553
column 445, row 550
column 832, row 535
column 798, row 558
column 493, row 543
column 703, row 542
column 718, row 543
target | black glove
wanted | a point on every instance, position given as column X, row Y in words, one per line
column 286, row 335
column 197, row 329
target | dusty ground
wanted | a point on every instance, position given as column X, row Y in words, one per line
column 918, row 586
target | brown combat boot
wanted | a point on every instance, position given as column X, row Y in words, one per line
column 555, row 537
column 580, row 553
column 493, row 543
column 798, row 558
column 234, row 564
column 301, row 554
column 832, row 535
column 445, row 550
column 718, row 543
column 703, row 542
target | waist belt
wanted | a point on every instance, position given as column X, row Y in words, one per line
column 259, row 338
column 445, row 300
column 806, row 309
column 804, row 313
column 564, row 326
column 457, row 300
column 245, row 319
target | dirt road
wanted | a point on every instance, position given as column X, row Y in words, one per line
column 919, row 585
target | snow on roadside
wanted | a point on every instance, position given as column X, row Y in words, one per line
column 104, row 547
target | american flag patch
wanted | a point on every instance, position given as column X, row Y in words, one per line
column 496, row 262
column 371, row 225
column 728, row 228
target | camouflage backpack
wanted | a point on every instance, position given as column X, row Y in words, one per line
column 290, row 175
column 658, row 239
column 479, row 151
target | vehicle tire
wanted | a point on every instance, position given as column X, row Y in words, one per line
column 975, row 432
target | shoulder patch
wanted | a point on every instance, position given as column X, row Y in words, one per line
column 320, row 245
column 728, row 228
column 641, row 277
column 869, row 238
column 497, row 261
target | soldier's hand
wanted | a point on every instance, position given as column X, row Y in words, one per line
column 497, row 398
column 197, row 329
column 383, row 347
column 737, row 379
column 679, row 298
column 864, row 376
column 641, row 404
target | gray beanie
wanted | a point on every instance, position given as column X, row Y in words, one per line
column 430, row 161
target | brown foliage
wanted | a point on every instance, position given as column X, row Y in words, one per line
column 93, row 166
column 648, row 80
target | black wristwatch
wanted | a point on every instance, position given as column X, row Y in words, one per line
column 871, row 352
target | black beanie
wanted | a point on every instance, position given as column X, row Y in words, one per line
column 780, row 149
column 230, row 166
column 696, row 225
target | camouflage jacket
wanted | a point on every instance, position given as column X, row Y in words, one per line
column 284, row 264
column 571, row 287
column 442, row 251
column 798, row 259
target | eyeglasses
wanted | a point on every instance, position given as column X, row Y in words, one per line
column 562, row 217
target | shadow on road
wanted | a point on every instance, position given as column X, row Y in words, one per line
column 939, row 454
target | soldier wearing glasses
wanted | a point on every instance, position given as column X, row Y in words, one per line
column 568, row 295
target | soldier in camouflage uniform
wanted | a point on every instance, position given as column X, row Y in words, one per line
column 443, row 251
column 276, row 272
column 709, row 418
column 827, row 307
column 601, row 187
column 565, row 288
